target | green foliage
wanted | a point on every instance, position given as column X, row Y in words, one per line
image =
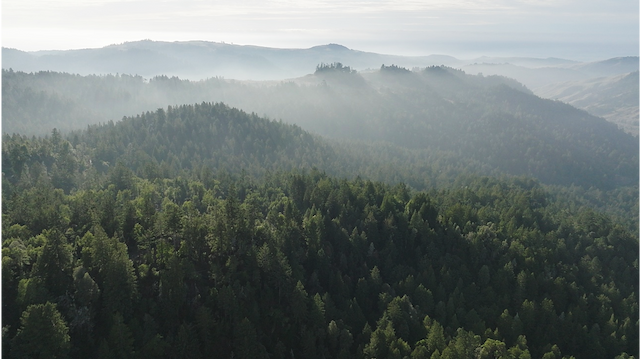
column 54, row 264
column 43, row 333
column 154, row 251
column 493, row 257
column 440, row 115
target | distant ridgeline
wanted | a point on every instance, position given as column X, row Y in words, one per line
column 492, row 121
column 428, row 128
column 616, row 98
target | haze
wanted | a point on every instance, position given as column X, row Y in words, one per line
column 580, row 30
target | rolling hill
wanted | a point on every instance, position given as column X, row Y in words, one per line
column 218, row 230
column 489, row 120
column 615, row 98
column 198, row 60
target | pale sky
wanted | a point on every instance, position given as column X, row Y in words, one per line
column 575, row 29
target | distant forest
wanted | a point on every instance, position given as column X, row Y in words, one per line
column 429, row 214
column 493, row 121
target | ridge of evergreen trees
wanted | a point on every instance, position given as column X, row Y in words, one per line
column 164, row 142
column 136, row 253
column 167, row 141
column 334, row 67
column 492, row 121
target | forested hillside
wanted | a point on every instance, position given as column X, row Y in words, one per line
column 202, row 230
column 166, row 143
column 156, row 251
column 199, row 230
column 163, row 143
column 491, row 121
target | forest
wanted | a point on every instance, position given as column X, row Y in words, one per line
column 491, row 120
column 201, row 230
column 429, row 214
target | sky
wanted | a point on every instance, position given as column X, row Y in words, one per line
column 573, row 29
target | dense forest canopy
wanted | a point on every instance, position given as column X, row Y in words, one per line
column 201, row 230
column 492, row 121
column 391, row 213
column 188, row 137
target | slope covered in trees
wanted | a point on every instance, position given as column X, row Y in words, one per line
column 310, row 266
column 483, row 119
column 165, row 142
column 435, row 125
column 135, row 241
column 491, row 121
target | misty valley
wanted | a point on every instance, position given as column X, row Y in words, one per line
column 196, row 200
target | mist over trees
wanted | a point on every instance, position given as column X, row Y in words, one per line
column 616, row 98
column 198, row 60
column 391, row 213
column 492, row 120
column 144, row 260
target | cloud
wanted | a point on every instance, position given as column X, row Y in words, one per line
column 292, row 23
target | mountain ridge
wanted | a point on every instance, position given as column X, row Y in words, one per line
column 202, row 59
column 614, row 97
column 493, row 121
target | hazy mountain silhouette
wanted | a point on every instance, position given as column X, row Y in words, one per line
column 614, row 98
column 610, row 67
column 200, row 59
column 491, row 121
column 535, row 76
